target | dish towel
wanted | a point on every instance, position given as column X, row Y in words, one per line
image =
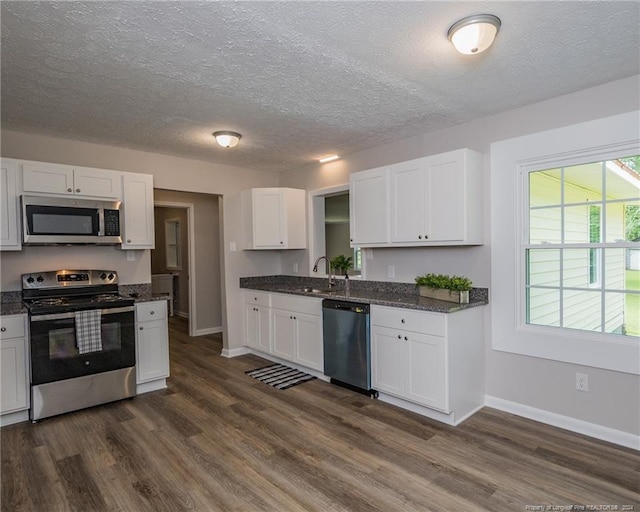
column 88, row 335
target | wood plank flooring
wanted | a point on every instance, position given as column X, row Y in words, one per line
column 217, row 440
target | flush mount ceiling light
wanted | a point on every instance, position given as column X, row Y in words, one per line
column 227, row 139
column 474, row 34
column 328, row 159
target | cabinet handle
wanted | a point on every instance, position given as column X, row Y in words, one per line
column 294, row 317
column 399, row 337
column 281, row 243
column 419, row 237
column 426, row 236
column 406, row 339
column 77, row 190
column 128, row 240
column 402, row 320
column 69, row 190
column 152, row 312
column 140, row 327
column 3, row 329
column 351, row 239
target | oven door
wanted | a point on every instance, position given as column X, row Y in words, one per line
column 54, row 348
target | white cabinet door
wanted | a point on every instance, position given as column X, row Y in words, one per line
column 283, row 334
column 14, row 382
column 65, row 180
column 407, row 201
column 257, row 327
column 251, row 334
column 309, row 348
column 445, row 196
column 269, row 226
column 152, row 341
column 369, row 206
column 10, row 239
column 426, row 379
column 274, row 218
column 138, row 211
column 97, row 183
column 388, row 361
column 47, row 178
column 13, row 378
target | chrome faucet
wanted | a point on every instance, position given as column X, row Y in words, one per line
column 315, row 268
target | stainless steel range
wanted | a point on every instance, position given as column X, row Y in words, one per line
column 82, row 340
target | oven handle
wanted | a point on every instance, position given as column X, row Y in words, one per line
column 72, row 314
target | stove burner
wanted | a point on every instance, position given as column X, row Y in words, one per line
column 49, row 301
column 106, row 297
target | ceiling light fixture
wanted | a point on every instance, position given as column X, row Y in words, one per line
column 227, row 139
column 474, row 34
column 328, row 159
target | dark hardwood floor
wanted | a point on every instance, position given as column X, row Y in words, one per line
column 217, row 440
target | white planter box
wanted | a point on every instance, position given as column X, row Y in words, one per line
column 443, row 294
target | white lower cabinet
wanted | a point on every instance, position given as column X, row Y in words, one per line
column 257, row 321
column 434, row 360
column 297, row 336
column 152, row 344
column 14, row 368
column 286, row 326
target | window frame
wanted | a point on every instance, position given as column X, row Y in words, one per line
column 511, row 162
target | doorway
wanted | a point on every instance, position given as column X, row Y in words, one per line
column 172, row 261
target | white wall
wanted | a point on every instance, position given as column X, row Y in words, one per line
column 169, row 172
column 614, row 399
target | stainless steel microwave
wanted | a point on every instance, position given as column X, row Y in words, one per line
column 61, row 220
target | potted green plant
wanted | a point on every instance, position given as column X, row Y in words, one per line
column 342, row 264
column 445, row 287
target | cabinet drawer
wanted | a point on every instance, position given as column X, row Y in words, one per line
column 12, row 327
column 256, row 298
column 296, row 303
column 409, row 320
column 155, row 310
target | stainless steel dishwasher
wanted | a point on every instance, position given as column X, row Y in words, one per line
column 347, row 345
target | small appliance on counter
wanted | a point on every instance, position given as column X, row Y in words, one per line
column 82, row 340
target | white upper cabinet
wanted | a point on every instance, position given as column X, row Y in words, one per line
column 137, row 208
column 436, row 200
column 9, row 207
column 369, row 207
column 71, row 181
column 274, row 218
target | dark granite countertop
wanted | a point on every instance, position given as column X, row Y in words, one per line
column 12, row 308
column 398, row 295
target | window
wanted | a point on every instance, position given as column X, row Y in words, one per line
column 581, row 252
column 172, row 244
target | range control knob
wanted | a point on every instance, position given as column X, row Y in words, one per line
column 30, row 279
column 39, row 279
column 111, row 276
column 103, row 276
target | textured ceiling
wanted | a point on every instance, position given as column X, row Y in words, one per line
column 299, row 80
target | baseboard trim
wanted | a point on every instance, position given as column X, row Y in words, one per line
column 565, row 422
column 181, row 314
column 154, row 385
column 234, row 352
column 14, row 417
column 208, row 330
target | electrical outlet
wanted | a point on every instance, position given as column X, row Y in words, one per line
column 391, row 271
column 295, row 267
column 582, row 382
column 232, row 247
column 131, row 255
